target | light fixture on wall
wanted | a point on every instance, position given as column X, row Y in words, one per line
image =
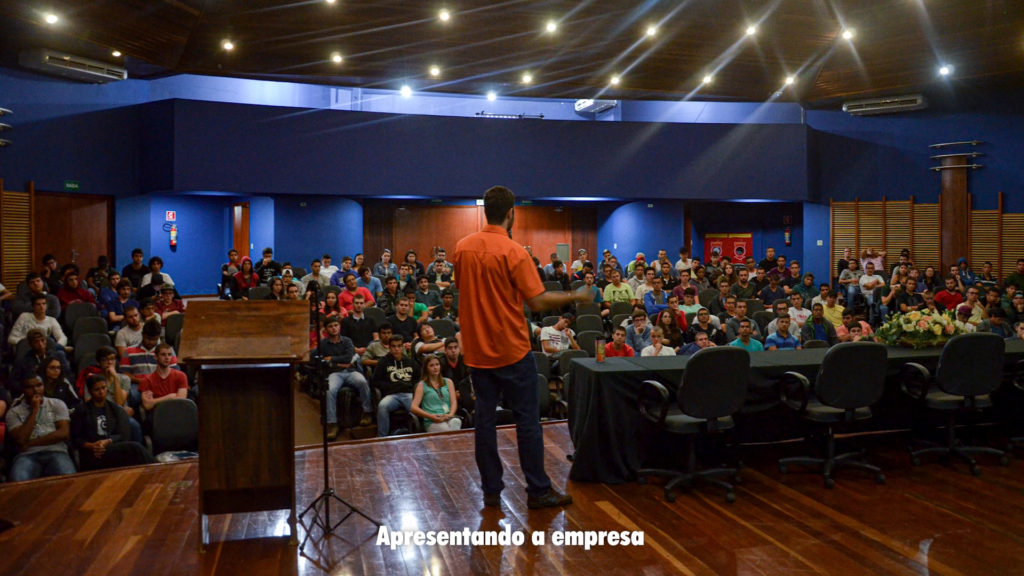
column 483, row 114
column 5, row 127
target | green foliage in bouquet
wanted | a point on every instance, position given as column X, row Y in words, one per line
column 920, row 329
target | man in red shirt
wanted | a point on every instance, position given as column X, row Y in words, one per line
column 72, row 292
column 165, row 382
column 950, row 297
column 350, row 291
column 618, row 348
column 495, row 276
column 167, row 305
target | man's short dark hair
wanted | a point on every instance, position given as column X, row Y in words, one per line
column 447, row 292
column 774, row 276
column 498, row 200
column 229, row 251
column 409, row 290
column 163, row 346
column 390, row 279
column 745, row 321
column 619, row 329
column 331, row 320
column 96, row 379
column 105, row 352
column 385, row 326
column 32, row 276
column 268, row 250
column 557, row 264
column 151, row 329
column 848, row 312
column 124, row 283
column 639, row 314
column 824, row 285
column 691, row 291
column 37, row 297
column 346, row 259
column 818, row 305
column 48, row 257
column 128, row 309
column 419, row 329
column 997, row 312
column 156, row 260
column 450, row 341
column 316, row 261
column 832, row 294
column 396, row 339
column 137, row 251
column 326, row 257
column 362, row 270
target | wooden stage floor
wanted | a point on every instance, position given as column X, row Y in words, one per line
column 936, row 519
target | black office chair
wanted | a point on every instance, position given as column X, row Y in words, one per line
column 763, row 319
column 543, row 364
column 970, row 369
column 589, row 323
column 617, row 321
column 851, row 379
column 713, row 389
column 1017, row 379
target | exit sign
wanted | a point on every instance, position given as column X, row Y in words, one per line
column 72, row 185
column 172, row 216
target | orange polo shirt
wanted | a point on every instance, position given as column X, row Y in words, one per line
column 495, row 276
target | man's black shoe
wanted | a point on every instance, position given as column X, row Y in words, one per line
column 550, row 499
column 492, row 499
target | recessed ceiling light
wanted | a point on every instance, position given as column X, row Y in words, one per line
column 434, row 70
column 790, row 80
column 527, row 78
column 848, row 34
column 492, row 96
column 228, row 45
column 751, row 31
column 707, row 79
column 406, row 91
column 330, row 1
column 51, row 18
column 615, row 79
column 945, row 70
column 116, row 53
column 336, row 58
column 651, row 30
column 444, row 15
column 552, row 26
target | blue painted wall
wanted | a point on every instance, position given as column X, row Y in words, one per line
column 131, row 228
column 261, row 225
column 305, row 227
column 817, row 226
column 644, row 226
column 194, row 263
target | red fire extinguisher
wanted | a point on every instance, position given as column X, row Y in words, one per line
column 789, row 237
column 174, row 235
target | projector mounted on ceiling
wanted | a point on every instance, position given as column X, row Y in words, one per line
column 71, row 67
column 888, row 105
column 594, row 108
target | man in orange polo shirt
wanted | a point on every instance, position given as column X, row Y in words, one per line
column 495, row 276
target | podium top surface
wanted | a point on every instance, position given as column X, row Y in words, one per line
column 252, row 332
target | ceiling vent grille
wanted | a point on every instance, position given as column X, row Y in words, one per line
column 71, row 67
column 890, row 105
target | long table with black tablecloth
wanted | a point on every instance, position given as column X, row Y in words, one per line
column 613, row 441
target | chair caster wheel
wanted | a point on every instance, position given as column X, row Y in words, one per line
column 916, row 461
column 975, row 471
column 783, row 469
column 880, row 479
column 830, row 483
column 730, row 497
column 670, row 497
column 641, row 480
column 1004, row 461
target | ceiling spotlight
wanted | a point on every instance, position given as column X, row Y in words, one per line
column 848, row 34
column 330, row 1
column 707, row 79
column 527, row 78
column 444, row 15
column 434, row 70
column 751, row 31
column 492, row 96
column 228, row 45
column 790, row 80
column 651, row 30
column 336, row 58
column 945, row 70
column 552, row 26
column 615, row 80
column 406, row 91
column 51, row 18
column 116, row 53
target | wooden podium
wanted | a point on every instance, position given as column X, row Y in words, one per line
column 246, row 352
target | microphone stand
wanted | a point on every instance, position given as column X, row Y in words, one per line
column 323, row 501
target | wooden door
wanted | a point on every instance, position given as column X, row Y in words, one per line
column 75, row 228
column 240, row 229
column 541, row 227
column 420, row 228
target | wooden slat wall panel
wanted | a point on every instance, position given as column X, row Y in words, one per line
column 897, row 231
column 985, row 240
column 15, row 236
column 1013, row 243
column 927, row 236
column 844, row 231
column 870, row 229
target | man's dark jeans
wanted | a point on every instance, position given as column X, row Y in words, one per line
column 517, row 384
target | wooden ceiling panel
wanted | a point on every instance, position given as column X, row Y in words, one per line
column 489, row 44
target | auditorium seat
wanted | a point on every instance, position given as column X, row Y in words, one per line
column 78, row 310
column 173, row 328
column 443, row 328
column 618, row 308
column 89, row 344
column 588, row 308
column 88, row 325
column 589, row 323
column 708, row 296
column 258, row 292
column 175, row 426
column 588, row 341
column 376, row 313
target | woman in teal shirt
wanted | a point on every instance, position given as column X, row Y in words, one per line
column 435, row 399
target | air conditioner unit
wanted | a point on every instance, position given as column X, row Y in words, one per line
column 594, row 107
column 71, row 66
column 888, row 105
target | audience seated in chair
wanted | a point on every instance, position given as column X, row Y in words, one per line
column 781, row 339
column 55, row 383
column 703, row 323
column 596, row 293
column 72, row 292
column 385, row 267
column 658, row 347
column 555, row 339
column 424, row 295
column 267, row 268
column 389, row 298
column 351, row 290
column 447, row 310
column 358, row 327
column 101, row 432
column 135, row 271
column 165, row 382
column 818, row 328
column 732, row 326
column 845, row 330
column 244, row 279
column 339, row 277
column 139, row 361
column 996, row 323
column 39, row 428
column 655, row 299
column 112, row 309
column 377, row 349
column 276, row 285
column 315, row 275
column 618, row 348
column 701, row 341
column 167, row 306
column 773, row 291
column 395, row 377
column 291, row 292
column 156, row 265
column 403, row 324
column 744, row 339
column 832, row 310
column 37, row 319
column 617, row 291
column 366, row 280
column 342, row 365
column 29, row 364
column 439, row 275
column 638, row 334
column 672, row 333
column 51, row 275
column 97, row 275
column 435, row 399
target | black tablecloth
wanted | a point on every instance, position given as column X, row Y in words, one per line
column 612, row 439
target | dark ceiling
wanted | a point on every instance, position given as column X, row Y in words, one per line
column 898, row 45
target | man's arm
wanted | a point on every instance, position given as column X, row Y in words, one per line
column 149, row 402
column 554, row 300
